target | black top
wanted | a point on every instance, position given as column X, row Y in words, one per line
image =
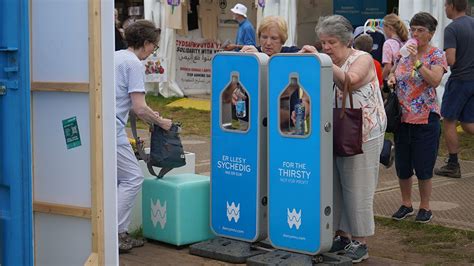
column 459, row 35
column 284, row 49
column 119, row 41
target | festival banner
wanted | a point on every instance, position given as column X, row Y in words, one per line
column 193, row 64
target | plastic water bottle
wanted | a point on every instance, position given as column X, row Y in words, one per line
column 404, row 50
column 240, row 108
column 300, row 116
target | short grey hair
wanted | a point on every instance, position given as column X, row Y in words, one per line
column 337, row 26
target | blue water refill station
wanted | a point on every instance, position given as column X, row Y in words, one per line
column 300, row 152
column 238, row 156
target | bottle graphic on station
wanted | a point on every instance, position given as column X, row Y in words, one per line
column 235, row 104
column 240, row 108
column 294, row 102
column 300, row 114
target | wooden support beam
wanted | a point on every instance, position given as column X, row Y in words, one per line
column 92, row 260
column 60, row 86
column 96, row 133
column 62, row 209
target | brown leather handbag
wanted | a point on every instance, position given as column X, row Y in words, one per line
column 347, row 134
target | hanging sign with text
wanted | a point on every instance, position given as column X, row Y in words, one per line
column 193, row 63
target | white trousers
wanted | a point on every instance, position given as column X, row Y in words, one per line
column 355, row 181
column 129, row 182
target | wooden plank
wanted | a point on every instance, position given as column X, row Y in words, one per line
column 60, row 86
column 62, row 209
column 96, row 132
column 92, row 260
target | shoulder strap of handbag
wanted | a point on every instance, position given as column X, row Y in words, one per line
column 140, row 145
column 346, row 91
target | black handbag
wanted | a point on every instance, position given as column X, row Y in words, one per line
column 347, row 134
column 393, row 112
column 166, row 149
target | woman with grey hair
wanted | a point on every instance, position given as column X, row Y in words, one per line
column 355, row 177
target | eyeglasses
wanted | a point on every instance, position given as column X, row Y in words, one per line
column 418, row 29
column 156, row 47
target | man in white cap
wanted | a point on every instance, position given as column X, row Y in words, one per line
column 246, row 32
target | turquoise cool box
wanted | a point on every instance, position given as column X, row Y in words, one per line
column 176, row 209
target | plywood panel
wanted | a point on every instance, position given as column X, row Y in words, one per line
column 61, row 175
column 59, row 44
column 61, row 240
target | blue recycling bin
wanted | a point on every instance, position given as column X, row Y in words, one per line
column 238, row 146
column 300, row 156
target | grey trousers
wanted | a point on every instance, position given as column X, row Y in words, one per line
column 129, row 183
column 355, row 181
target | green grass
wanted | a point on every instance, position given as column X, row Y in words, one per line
column 137, row 233
column 194, row 122
column 466, row 146
column 451, row 244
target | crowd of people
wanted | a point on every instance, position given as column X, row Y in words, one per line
column 414, row 77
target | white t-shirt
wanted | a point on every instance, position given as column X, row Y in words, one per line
column 129, row 77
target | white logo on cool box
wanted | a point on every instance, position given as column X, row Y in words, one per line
column 158, row 213
column 294, row 218
column 233, row 212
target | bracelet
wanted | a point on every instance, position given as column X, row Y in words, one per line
column 418, row 65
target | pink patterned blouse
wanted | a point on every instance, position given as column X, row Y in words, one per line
column 417, row 98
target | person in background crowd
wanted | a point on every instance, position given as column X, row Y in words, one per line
column 417, row 139
column 458, row 98
column 245, row 33
column 142, row 38
column 364, row 43
column 397, row 35
column 119, row 34
column 355, row 177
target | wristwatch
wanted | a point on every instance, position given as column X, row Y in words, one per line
column 418, row 65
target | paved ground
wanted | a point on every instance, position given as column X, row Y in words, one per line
column 452, row 204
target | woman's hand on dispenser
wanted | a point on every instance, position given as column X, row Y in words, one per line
column 249, row 49
column 308, row 49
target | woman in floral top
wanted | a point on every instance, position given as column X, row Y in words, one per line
column 416, row 142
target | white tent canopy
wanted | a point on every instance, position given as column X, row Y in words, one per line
column 408, row 8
